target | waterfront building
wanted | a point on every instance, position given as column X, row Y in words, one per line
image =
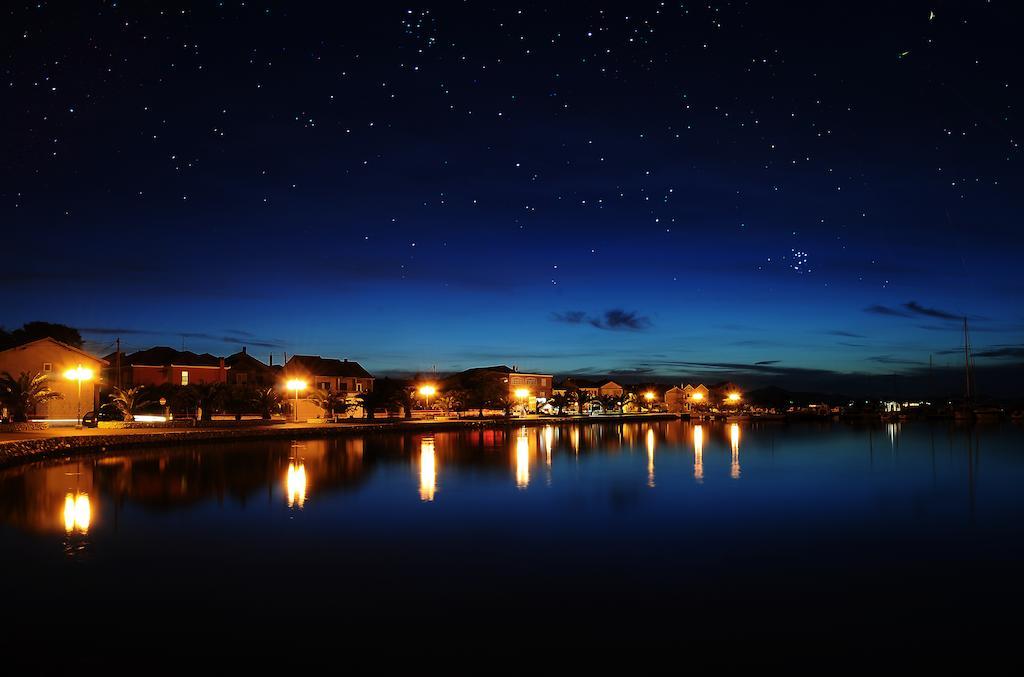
column 164, row 366
column 53, row 358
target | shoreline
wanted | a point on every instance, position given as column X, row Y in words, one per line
column 17, row 452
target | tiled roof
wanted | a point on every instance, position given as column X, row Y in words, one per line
column 326, row 366
column 162, row 356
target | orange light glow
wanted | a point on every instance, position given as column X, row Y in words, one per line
column 697, row 397
column 698, row 453
column 522, row 461
column 77, row 513
column 734, row 438
column 296, row 484
column 650, row 457
column 428, row 469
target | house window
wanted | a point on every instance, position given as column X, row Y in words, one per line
column 47, row 367
column 184, row 378
column 359, row 387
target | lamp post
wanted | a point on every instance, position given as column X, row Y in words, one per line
column 649, row 397
column 296, row 385
column 78, row 374
column 427, row 391
column 521, row 395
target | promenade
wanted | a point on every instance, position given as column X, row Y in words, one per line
column 27, row 445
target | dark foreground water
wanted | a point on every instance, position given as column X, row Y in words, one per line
column 514, row 537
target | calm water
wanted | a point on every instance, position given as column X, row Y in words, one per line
column 726, row 531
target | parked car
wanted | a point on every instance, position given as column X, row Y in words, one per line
column 106, row 412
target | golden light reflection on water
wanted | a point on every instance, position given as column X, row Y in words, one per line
column 734, row 438
column 698, row 453
column 77, row 513
column 549, row 440
column 650, row 457
column 522, row 460
column 295, row 484
column 428, row 469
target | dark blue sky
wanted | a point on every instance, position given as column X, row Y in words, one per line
column 645, row 188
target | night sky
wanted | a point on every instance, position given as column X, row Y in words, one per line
column 765, row 191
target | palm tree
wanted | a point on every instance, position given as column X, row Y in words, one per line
column 126, row 400
column 610, row 402
column 449, row 401
column 23, row 394
column 239, row 399
column 332, row 402
column 267, row 401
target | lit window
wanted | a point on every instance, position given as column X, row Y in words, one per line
column 47, row 367
column 184, row 378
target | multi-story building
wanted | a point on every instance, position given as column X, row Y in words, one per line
column 324, row 373
column 162, row 365
column 246, row 370
column 54, row 359
column 529, row 388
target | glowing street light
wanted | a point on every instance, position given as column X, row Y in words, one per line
column 733, row 398
column 296, row 385
column 521, row 395
column 78, row 374
column 427, row 391
column 697, row 397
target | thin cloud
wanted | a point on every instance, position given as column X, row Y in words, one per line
column 917, row 308
column 615, row 319
column 886, row 310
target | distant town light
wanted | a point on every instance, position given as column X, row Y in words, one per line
column 648, row 396
column 734, row 397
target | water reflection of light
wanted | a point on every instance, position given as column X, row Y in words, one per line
column 734, row 437
column 77, row 513
column 698, row 453
column 549, row 440
column 428, row 469
column 893, row 429
column 650, row 457
column 296, row 484
column 522, row 461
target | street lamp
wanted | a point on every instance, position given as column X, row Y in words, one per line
column 734, row 398
column 296, row 385
column 78, row 374
column 649, row 397
column 427, row 392
column 521, row 395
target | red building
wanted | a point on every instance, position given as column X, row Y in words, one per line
column 161, row 365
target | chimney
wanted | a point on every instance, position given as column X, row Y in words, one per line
column 271, row 359
column 243, row 350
